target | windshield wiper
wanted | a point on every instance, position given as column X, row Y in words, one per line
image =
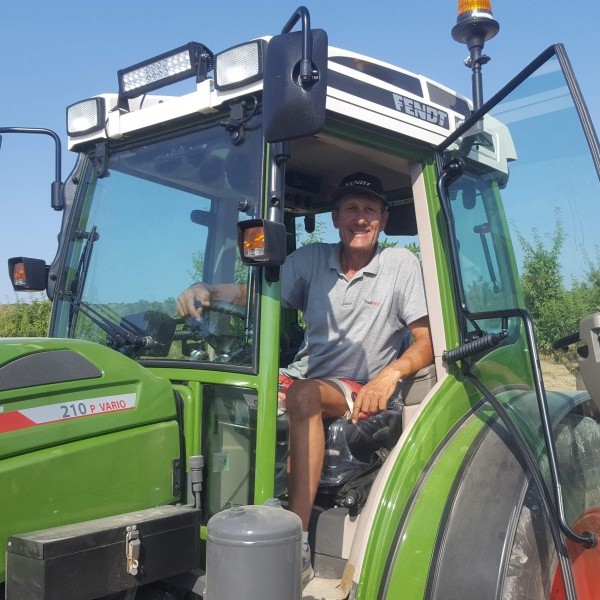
column 119, row 337
column 81, row 274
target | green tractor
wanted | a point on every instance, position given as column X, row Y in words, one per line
column 138, row 449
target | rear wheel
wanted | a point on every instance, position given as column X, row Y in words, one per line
column 495, row 540
column 533, row 570
column 586, row 561
column 578, row 449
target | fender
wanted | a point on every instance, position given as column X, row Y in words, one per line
column 469, row 498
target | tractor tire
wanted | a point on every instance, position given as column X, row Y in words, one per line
column 495, row 541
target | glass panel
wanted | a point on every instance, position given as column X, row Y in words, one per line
column 229, row 436
column 525, row 211
column 532, row 150
column 165, row 217
column 486, row 262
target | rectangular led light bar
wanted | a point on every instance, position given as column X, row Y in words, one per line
column 161, row 70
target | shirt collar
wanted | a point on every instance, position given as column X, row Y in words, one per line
column 372, row 267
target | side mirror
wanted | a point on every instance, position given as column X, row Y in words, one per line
column 28, row 274
column 295, row 82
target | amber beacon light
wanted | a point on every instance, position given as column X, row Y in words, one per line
column 475, row 25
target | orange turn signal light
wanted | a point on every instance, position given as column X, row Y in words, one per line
column 27, row 274
column 18, row 274
column 254, row 245
column 262, row 242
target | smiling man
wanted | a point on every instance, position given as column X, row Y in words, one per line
column 359, row 302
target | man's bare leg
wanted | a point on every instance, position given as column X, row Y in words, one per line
column 309, row 401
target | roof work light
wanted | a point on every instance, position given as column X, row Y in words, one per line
column 193, row 59
column 475, row 25
column 240, row 65
column 85, row 116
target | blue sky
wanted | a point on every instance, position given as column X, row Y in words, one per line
column 56, row 53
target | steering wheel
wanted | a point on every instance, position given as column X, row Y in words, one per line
column 227, row 308
column 226, row 345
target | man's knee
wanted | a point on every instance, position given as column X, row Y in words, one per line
column 303, row 399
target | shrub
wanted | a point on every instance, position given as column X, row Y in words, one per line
column 25, row 319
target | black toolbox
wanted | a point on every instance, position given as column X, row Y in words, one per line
column 85, row 561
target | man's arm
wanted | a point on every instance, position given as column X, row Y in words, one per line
column 198, row 296
column 373, row 396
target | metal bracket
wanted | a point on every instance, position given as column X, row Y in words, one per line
column 101, row 160
column 132, row 549
column 177, row 476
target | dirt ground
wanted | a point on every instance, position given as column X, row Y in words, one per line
column 556, row 375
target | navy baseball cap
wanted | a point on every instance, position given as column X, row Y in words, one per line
column 361, row 184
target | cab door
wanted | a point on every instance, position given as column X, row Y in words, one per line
column 520, row 192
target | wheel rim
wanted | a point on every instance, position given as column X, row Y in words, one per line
column 585, row 562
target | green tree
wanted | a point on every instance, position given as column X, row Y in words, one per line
column 543, row 288
column 414, row 248
column 541, row 280
column 592, row 285
column 304, row 239
column 555, row 309
column 240, row 270
column 25, row 319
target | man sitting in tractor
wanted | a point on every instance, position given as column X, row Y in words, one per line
column 357, row 299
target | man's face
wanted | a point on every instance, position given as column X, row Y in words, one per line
column 359, row 219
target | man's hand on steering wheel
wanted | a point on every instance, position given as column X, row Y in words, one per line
column 192, row 301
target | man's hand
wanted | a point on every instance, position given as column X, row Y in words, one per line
column 191, row 301
column 197, row 297
column 373, row 396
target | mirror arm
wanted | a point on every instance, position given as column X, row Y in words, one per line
column 56, row 189
column 306, row 70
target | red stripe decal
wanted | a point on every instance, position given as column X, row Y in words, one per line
column 12, row 421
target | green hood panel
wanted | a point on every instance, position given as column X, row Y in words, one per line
column 53, row 391
column 85, row 432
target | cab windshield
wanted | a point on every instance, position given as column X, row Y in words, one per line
column 162, row 217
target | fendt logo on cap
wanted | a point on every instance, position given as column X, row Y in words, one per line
column 359, row 182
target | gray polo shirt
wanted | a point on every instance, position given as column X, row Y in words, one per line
column 354, row 328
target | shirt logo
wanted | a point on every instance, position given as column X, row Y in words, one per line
column 372, row 302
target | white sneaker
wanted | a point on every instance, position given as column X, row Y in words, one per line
column 307, row 568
